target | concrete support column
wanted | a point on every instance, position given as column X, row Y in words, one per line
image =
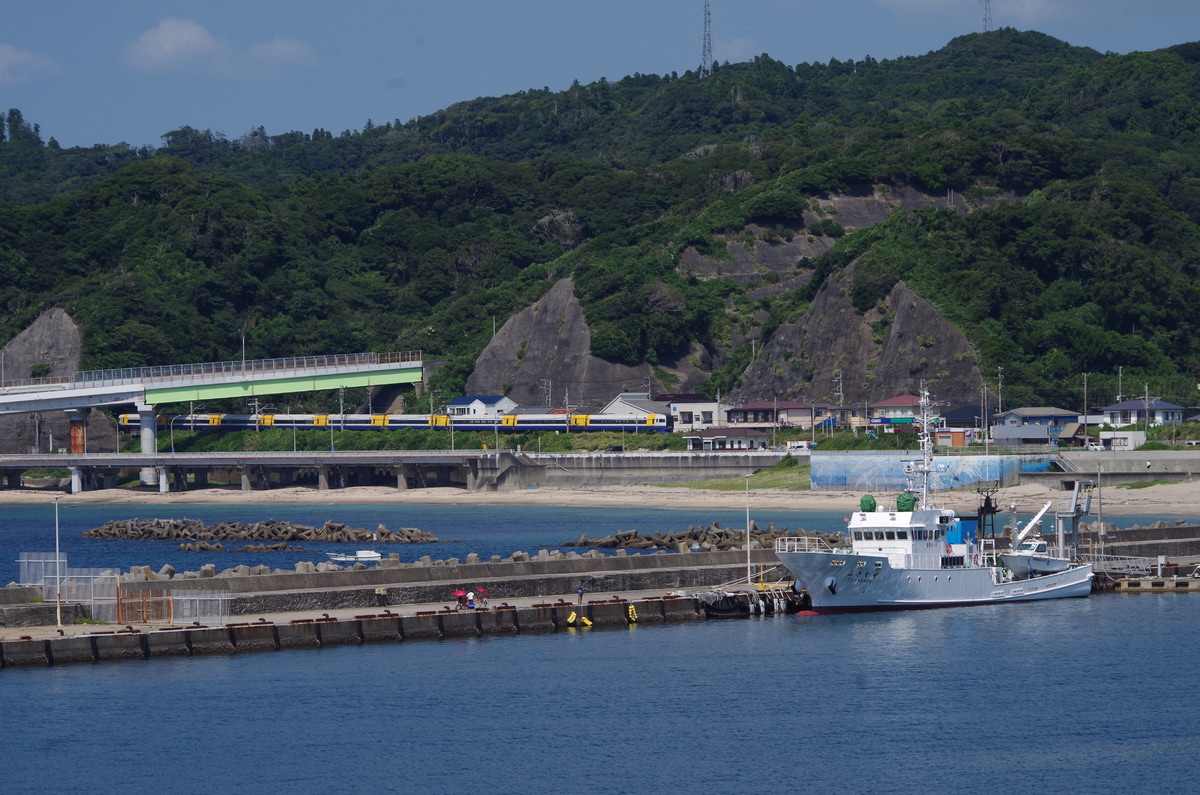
column 323, row 478
column 12, row 480
column 163, row 486
column 178, row 479
column 246, row 484
column 76, row 481
column 401, row 480
column 148, row 424
column 201, row 478
column 78, row 419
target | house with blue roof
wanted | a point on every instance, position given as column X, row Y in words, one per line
column 1136, row 412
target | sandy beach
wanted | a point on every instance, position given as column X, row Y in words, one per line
column 1170, row 500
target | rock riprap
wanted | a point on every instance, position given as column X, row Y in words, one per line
column 693, row 539
column 268, row 531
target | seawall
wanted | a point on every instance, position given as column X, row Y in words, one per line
column 411, row 583
column 385, row 626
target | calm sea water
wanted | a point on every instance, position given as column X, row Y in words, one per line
column 1075, row 695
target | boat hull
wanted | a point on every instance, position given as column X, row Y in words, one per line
column 845, row 583
column 1023, row 566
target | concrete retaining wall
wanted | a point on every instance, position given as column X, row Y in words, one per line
column 478, row 573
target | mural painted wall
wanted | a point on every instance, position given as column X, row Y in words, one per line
column 882, row 472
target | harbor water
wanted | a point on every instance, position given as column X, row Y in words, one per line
column 1048, row 696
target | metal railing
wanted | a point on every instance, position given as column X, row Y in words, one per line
column 176, row 373
column 802, row 544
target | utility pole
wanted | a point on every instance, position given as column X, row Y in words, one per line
column 1120, row 379
column 1086, row 439
column 999, row 390
column 837, row 377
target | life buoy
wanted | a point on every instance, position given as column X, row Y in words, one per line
column 976, row 560
column 948, row 549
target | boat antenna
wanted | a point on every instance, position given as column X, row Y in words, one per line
column 926, row 437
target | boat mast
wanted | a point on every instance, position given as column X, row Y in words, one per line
column 925, row 435
column 925, row 469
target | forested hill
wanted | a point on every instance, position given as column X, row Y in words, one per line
column 1069, row 247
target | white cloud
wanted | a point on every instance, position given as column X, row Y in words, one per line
column 181, row 44
column 174, row 44
column 18, row 67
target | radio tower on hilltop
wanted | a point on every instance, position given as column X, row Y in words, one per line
column 987, row 16
column 706, row 63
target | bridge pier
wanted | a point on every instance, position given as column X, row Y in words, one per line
column 323, row 478
column 401, row 479
column 247, row 485
column 78, row 420
column 12, row 480
column 76, row 478
column 148, row 425
column 163, row 486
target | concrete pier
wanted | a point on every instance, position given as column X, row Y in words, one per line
column 43, row 646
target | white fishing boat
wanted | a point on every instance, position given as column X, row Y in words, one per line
column 361, row 556
column 915, row 556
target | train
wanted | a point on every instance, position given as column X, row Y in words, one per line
column 507, row 423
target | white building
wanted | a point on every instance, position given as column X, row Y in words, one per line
column 488, row 406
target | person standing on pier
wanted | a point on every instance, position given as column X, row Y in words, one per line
column 579, row 590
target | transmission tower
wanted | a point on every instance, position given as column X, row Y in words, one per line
column 987, row 16
column 706, row 58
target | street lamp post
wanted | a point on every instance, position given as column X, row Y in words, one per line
column 749, row 577
column 57, row 565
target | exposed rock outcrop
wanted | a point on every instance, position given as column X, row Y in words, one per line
column 50, row 347
column 544, row 351
column 882, row 353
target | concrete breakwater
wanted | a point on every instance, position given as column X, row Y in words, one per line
column 544, row 575
column 270, row 530
column 697, row 539
column 383, row 626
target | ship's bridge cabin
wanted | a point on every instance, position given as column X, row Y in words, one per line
column 896, row 533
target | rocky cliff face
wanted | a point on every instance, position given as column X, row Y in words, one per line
column 541, row 357
column 50, row 347
column 881, row 354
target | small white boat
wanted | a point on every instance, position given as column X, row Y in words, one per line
column 1030, row 557
column 361, row 556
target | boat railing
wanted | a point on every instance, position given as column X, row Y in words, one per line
column 803, row 544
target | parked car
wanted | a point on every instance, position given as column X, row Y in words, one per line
column 1096, row 446
column 614, row 448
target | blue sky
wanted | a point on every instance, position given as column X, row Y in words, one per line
column 129, row 71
